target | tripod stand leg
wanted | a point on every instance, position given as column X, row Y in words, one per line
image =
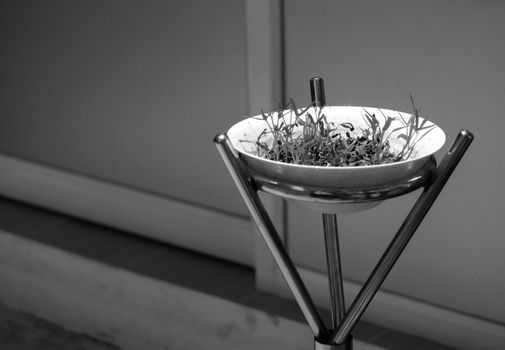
column 409, row 226
column 271, row 237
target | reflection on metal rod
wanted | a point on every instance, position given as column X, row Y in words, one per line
column 409, row 226
column 334, row 269
column 271, row 237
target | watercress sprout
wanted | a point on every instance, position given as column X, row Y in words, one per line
column 305, row 136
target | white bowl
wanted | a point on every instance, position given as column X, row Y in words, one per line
column 320, row 179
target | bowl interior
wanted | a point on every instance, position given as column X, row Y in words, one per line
column 244, row 134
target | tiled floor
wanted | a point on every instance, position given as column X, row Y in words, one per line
column 154, row 259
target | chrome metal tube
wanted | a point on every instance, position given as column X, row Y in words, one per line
column 334, row 269
column 407, row 229
column 348, row 345
column 270, row 236
column 317, row 92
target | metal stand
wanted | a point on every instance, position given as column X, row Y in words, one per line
column 338, row 336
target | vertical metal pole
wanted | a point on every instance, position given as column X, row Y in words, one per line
column 271, row 237
column 334, row 269
column 317, row 92
column 409, row 226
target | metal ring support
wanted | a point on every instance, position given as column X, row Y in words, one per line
column 271, row 237
column 346, row 195
column 407, row 229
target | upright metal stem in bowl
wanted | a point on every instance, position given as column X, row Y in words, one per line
column 317, row 92
column 330, row 232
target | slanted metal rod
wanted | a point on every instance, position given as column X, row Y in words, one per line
column 270, row 236
column 409, row 226
column 334, row 269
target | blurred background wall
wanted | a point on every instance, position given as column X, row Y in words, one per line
column 128, row 91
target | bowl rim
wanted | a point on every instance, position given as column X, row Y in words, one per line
column 347, row 168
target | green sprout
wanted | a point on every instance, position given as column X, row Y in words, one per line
column 323, row 143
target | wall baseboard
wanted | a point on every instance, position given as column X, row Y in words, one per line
column 158, row 217
column 414, row 317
